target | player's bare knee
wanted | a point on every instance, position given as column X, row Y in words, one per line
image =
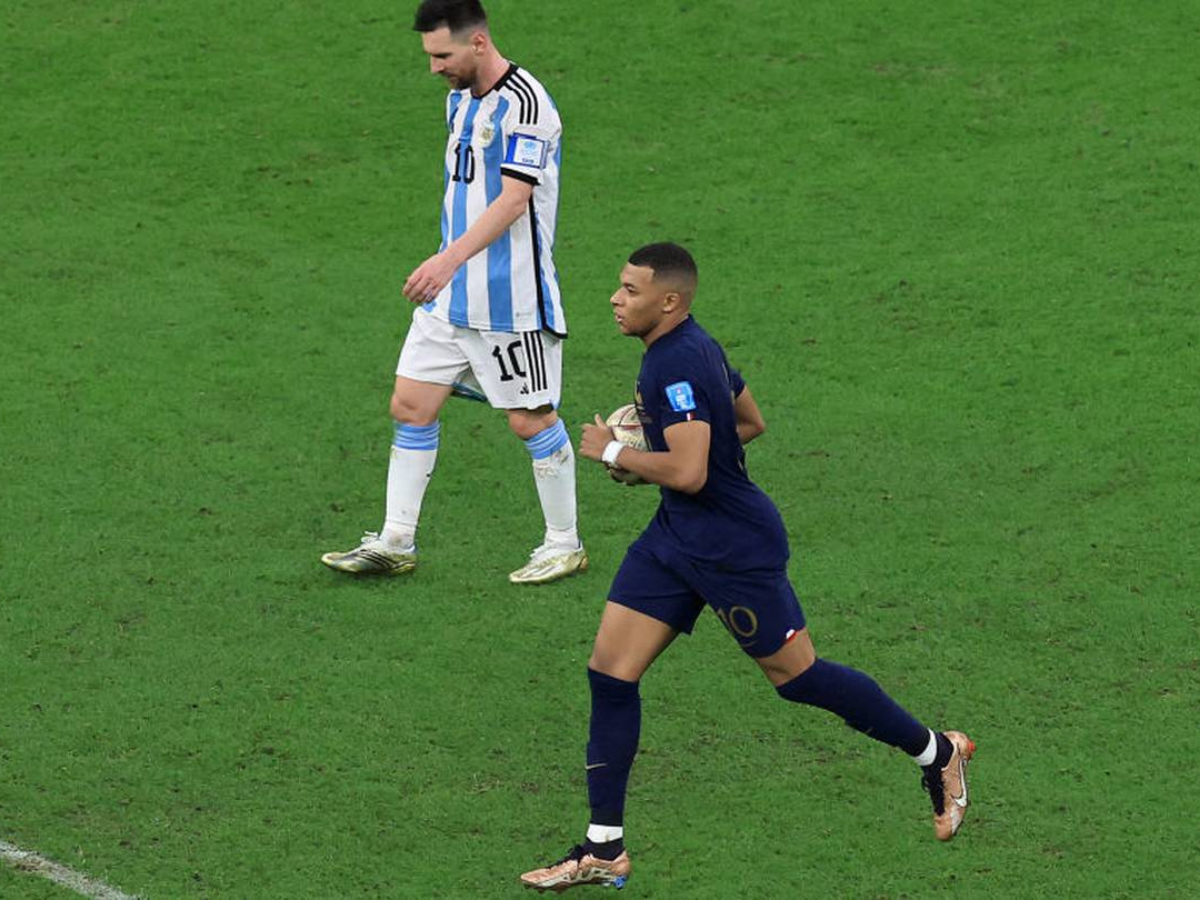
column 792, row 661
column 784, row 673
column 600, row 661
column 406, row 412
column 527, row 423
column 615, row 664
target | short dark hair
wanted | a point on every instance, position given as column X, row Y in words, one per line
column 666, row 259
column 457, row 15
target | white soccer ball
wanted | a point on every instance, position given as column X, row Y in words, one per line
column 627, row 428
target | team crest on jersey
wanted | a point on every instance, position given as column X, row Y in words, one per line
column 681, row 397
column 487, row 131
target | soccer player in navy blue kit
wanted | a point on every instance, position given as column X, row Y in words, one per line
column 716, row 540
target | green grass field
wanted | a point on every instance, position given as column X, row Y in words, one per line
column 952, row 249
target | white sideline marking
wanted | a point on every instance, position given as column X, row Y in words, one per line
column 35, row 864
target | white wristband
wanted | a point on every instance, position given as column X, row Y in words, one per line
column 611, row 452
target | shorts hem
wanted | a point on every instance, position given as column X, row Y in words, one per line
column 681, row 627
column 424, row 379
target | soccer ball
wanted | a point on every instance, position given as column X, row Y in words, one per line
column 627, row 428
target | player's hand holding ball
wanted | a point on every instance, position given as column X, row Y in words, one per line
column 622, row 426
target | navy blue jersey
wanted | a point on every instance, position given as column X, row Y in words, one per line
column 730, row 521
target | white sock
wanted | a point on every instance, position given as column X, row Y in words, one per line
column 414, row 453
column 927, row 757
column 554, row 475
column 602, row 834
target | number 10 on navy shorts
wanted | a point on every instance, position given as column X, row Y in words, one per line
column 758, row 607
column 512, row 370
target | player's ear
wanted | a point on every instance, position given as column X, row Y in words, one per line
column 671, row 301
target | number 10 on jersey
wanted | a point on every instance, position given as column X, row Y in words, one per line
column 464, row 163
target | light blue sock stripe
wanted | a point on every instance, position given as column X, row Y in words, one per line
column 417, row 437
column 548, row 441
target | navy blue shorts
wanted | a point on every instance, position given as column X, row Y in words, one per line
column 757, row 606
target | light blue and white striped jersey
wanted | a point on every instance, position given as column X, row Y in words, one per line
column 513, row 130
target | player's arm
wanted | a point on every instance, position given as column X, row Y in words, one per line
column 435, row 273
column 683, row 466
column 750, row 421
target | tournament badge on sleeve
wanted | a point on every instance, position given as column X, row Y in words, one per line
column 681, row 397
column 526, row 150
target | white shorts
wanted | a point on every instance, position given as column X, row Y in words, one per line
column 513, row 371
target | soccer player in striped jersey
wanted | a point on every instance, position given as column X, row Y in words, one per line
column 717, row 540
column 489, row 322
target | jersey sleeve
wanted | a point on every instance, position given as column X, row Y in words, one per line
column 531, row 131
column 737, row 383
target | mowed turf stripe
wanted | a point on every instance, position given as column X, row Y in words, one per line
column 36, row 864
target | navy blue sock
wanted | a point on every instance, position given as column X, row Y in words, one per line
column 609, row 850
column 860, row 701
column 944, row 751
column 616, row 725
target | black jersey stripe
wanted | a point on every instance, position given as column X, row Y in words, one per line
column 541, row 355
column 542, row 299
column 508, row 73
column 520, row 176
column 528, row 361
column 531, row 362
column 519, row 81
column 519, row 87
column 526, row 106
column 521, row 92
column 537, row 263
column 531, row 357
column 522, row 103
column 533, row 94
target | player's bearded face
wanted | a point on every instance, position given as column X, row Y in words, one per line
column 452, row 58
